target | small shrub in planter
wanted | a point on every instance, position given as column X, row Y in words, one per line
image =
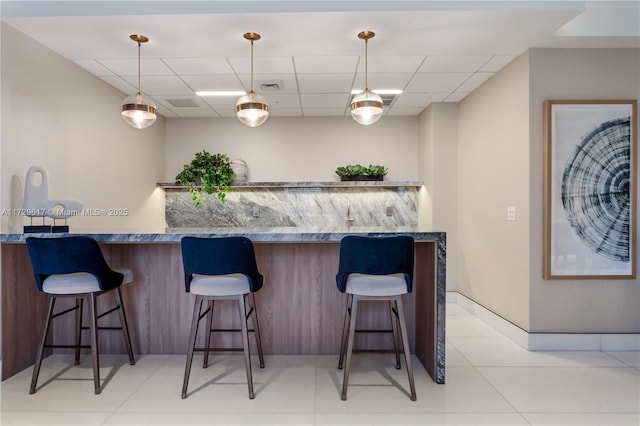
column 210, row 173
column 354, row 172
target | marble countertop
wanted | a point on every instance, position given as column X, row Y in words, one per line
column 284, row 234
column 240, row 185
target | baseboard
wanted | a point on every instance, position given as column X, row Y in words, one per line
column 549, row 341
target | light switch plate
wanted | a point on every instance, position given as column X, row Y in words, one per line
column 511, row 213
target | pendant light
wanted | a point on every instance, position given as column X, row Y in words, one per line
column 366, row 107
column 138, row 111
column 252, row 109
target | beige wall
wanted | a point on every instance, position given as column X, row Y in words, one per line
column 577, row 306
column 438, row 168
column 57, row 115
column 287, row 149
column 493, row 173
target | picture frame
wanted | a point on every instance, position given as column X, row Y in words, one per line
column 590, row 176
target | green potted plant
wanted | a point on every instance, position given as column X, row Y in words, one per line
column 355, row 172
column 209, row 173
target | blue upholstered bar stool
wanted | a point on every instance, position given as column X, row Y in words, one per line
column 221, row 269
column 376, row 268
column 74, row 267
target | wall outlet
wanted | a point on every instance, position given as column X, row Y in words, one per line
column 511, row 213
column 255, row 211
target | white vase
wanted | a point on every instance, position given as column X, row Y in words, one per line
column 241, row 170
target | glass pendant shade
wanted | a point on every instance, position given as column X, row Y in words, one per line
column 366, row 107
column 138, row 111
column 252, row 109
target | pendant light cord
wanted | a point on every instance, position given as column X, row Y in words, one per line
column 139, row 92
column 366, row 65
column 251, row 66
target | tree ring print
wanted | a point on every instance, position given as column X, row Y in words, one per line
column 596, row 189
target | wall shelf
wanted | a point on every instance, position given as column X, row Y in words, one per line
column 336, row 184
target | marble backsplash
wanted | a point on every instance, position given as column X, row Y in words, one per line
column 319, row 207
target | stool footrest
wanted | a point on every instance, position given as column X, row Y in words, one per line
column 103, row 328
column 218, row 349
column 68, row 346
column 382, row 351
column 66, row 311
column 109, row 311
column 229, row 330
column 374, row 331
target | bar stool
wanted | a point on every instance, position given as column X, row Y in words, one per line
column 221, row 269
column 375, row 268
column 74, row 267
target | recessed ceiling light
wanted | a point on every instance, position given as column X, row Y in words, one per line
column 380, row 91
column 222, row 93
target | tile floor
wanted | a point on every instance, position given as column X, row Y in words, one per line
column 490, row 381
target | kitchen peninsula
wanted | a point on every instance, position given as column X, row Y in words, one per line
column 300, row 309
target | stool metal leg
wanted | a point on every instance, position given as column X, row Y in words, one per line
column 51, row 301
column 79, row 302
column 256, row 330
column 197, row 308
column 245, row 344
column 405, row 344
column 125, row 328
column 396, row 338
column 93, row 327
column 207, row 337
column 352, row 331
column 345, row 331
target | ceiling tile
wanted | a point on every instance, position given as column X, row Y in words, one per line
column 323, row 100
column 120, row 84
column 161, row 85
column 436, row 82
column 129, row 67
column 391, row 64
column 174, row 102
column 166, row 113
column 453, row 63
column 286, row 112
column 94, row 67
column 212, row 82
column 195, row 112
column 414, row 100
column 199, row 66
column 382, row 81
column 226, row 112
column 325, row 64
column 282, row 100
column 456, row 96
column 496, row 63
column 286, row 82
column 323, row 112
column 474, row 81
column 405, row 110
column 262, row 65
column 325, row 83
column 221, row 102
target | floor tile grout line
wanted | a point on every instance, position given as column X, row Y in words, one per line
column 502, row 395
column 155, row 370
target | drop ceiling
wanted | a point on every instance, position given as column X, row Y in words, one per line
column 309, row 58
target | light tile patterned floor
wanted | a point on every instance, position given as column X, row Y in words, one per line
column 490, row 381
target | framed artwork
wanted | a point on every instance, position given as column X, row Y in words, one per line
column 590, row 189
